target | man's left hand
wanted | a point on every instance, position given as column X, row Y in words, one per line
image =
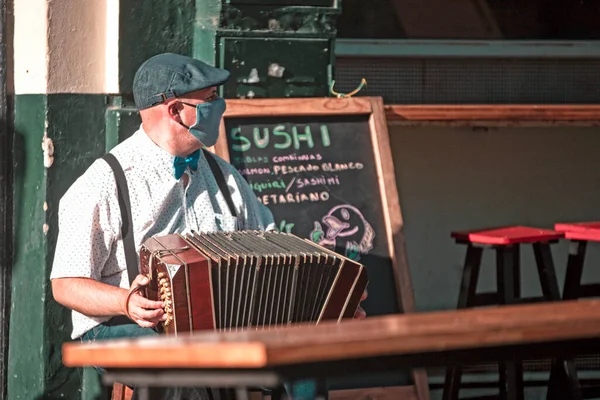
column 360, row 312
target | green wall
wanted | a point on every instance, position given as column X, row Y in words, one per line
column 149, row 27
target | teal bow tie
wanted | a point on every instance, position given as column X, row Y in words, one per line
column 181, row 163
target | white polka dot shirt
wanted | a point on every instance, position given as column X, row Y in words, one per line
column 89, row 240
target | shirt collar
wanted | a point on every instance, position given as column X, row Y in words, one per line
column 150, row 151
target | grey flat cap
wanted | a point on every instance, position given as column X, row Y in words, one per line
column 169, row 75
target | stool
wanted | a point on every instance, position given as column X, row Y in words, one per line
column 121, row 392
column 563, row 376
column 506, row 241
column 579, row 234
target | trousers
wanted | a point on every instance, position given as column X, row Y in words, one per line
column 123, row 327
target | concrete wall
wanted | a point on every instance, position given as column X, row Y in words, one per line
column 453, row 178
column 66, row 46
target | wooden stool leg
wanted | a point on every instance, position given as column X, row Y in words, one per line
column 452, row 383
column 514, row 379
column 563, row 375
column 470, row 276
column 506, row 271
column 574, row 270
column 502, row 372
column 516, row 270
column 508, row 280
column 546, row 271
column 510, row 378
column 564, row 383
column 466, row 298
column 121, row 392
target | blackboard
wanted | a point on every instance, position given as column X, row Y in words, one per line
column 324, row 169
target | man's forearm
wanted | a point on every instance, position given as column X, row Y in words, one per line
column 89, row 297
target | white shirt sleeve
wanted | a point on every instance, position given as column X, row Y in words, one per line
column 88, row 222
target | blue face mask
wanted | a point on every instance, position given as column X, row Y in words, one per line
column 208, row 119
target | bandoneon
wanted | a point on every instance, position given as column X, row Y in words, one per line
column 248, row 280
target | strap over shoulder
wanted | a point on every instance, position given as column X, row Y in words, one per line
column 126, row 218
column 216, row 170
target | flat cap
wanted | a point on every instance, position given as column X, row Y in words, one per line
column 169, row 75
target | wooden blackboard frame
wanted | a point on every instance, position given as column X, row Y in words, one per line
column 390, row 203
column 494, row 115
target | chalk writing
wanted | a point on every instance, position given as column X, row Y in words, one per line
column 249, row 160
column 278, row 138
column 260, row 186
column 254, row 171
column 286, row 227
column 331, row 167
column 294, row 169
column 297, row 197
column 317, row 181
column 297, row 157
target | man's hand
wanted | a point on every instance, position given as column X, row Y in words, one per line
column 360, row 313
column 144, row 312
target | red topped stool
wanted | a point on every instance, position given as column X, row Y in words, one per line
column 563, row 377
column 579, row 234
column 507, row 242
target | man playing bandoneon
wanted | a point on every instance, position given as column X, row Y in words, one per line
column 172, row 189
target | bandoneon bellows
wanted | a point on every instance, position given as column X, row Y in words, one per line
column 248, row 280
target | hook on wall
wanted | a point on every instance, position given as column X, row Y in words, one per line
column 363, row 82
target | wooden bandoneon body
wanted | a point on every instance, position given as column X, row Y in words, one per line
column 248, row 279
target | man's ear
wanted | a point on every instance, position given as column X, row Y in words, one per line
column 173, row 108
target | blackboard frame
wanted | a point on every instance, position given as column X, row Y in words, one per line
column 390, row 202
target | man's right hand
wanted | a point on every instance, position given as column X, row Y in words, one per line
column 144, row 312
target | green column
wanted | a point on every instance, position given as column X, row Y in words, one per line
column 27, row 351
column 38, row 325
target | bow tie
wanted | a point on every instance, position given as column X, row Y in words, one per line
column 181, row 163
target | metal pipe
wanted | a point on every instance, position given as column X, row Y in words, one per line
column 6, row 203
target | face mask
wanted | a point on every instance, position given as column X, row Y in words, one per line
column 208, row 119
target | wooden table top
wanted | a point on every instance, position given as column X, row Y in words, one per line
column 373, row 337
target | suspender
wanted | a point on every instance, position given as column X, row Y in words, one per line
column 125, row 206
column 216, row 170
column 127, row 221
